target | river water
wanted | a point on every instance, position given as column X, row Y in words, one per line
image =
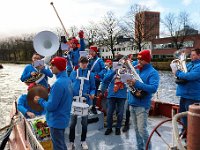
column 11, row 88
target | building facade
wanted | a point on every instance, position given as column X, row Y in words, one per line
column 164, row 48
column 148, row 24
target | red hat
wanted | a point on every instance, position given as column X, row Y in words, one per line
column 31, row 85
column 59, row 62
column 109, row 61
column 74, row 41
column 144, row 55
column 94, row 48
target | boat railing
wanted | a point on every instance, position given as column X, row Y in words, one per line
column 176, row 130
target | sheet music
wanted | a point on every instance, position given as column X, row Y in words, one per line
column 116, row 66
column 64, row 46
column 125, row 77
column 38, row 63
column 83, row 53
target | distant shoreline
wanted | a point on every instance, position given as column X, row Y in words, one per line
column 165, row 66
column 14, row 62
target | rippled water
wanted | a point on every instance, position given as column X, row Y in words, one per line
column 11, row 87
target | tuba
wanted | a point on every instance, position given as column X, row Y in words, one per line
column 179, row 64
column 46, row 44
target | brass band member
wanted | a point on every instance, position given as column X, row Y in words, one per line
column 58, row 105
column 31, row 71
column 140, row 106
column 190, row 89
column 96, row 66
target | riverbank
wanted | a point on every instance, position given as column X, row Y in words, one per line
column 14, row 62
column 1, row 66
column 165, row 66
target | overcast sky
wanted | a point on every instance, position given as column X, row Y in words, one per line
column 28, row 16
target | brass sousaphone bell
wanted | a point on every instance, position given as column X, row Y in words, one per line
column 45, row 43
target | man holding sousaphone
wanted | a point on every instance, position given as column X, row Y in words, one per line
column 36, row 72
column 58, row 105
column 140, row 105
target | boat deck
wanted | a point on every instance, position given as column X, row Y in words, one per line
column 96, row 139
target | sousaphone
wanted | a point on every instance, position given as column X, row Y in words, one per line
column 37, row 90
column 45, row 43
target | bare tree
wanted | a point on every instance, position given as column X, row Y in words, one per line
column 177, row 27
column 135, row 26
column 108, row 31
column 91, row 33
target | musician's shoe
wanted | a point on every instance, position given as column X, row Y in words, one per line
column 84, row 145
column 117, row 131
column 94, row 110
column 126, row 128
column 71, row 146
column 108, row 131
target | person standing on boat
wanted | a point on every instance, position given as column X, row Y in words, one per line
column 140, row 105
column 97, row 66
column 83, row 84
column 73, row 55
column 128, row 113
column 190, row 89
column 23, row 107
column 102, row 92
column 117, row 94
column 30, row 71
column 58, row 105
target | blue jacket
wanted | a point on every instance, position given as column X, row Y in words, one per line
column 74, row 56
column 99, row 67
column 191, row 89
column 104, row 84
column 58, row 106
column 150, row 77
column 27, row 74
column 121, row 93
column 88, row 87
column 24, row 108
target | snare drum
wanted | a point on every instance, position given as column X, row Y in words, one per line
column 80, row 109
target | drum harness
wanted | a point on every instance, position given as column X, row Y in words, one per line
column 80, row 98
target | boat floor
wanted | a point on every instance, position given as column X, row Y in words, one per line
column 96, row 140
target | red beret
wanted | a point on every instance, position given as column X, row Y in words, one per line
column 94, row 48
column 59, row 62
column 144, row 55
column 74, row 41
column 109, row 61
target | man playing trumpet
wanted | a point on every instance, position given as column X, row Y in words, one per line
column 140, row 105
